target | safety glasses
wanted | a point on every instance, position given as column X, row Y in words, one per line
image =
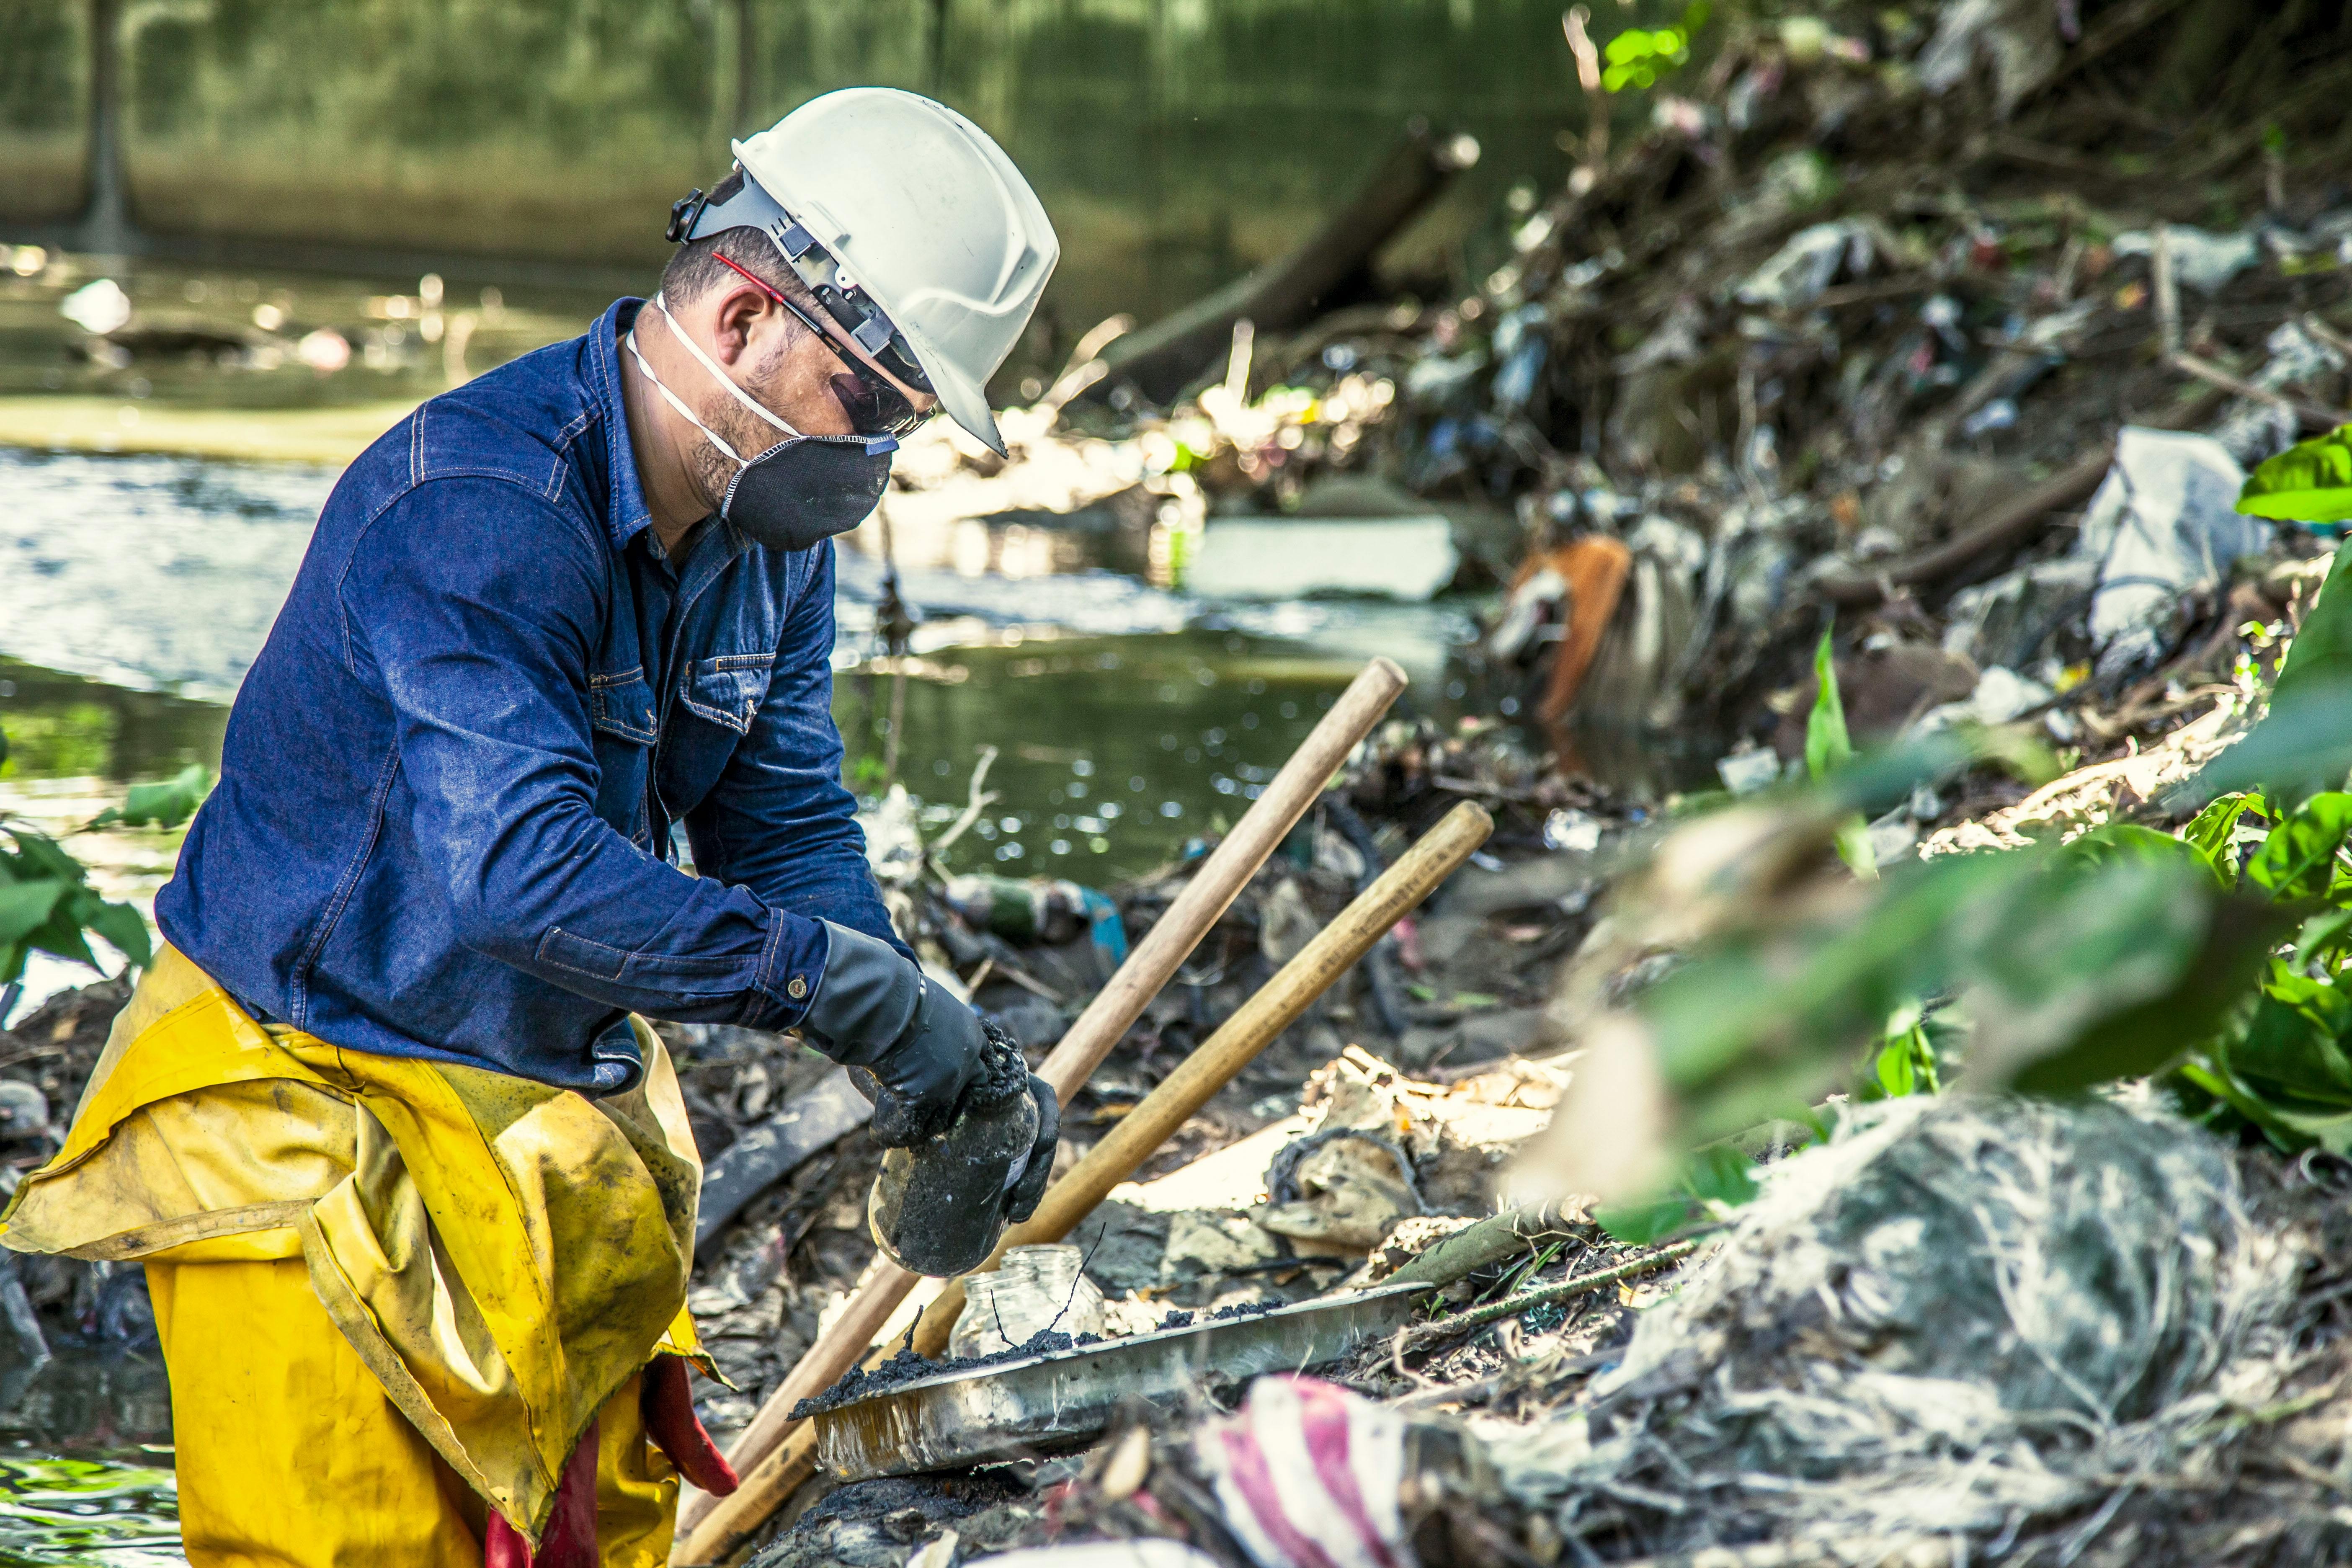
column 874, row 406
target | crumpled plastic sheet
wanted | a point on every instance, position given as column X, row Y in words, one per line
column 2163, row 526
column 1960, row 1316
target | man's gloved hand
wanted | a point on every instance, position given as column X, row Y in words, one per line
column 1020, row 1200
column 911, row 1046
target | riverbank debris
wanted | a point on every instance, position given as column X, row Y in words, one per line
column 1900, row 322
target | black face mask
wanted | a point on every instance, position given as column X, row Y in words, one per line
column 807, row 489
column 800, row 492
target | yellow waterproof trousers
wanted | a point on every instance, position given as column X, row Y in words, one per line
column 291, row 1455
column 394, row 1295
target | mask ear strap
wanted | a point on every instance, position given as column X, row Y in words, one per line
column 677, row 403
column 723, row 379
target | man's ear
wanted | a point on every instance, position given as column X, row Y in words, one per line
column 739, row 309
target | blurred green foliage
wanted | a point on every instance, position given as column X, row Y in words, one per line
column 1638, row 57
column 166, row 805
column 46, row 903
column 68, row 741
column 1828, row 748
column 2216, row 959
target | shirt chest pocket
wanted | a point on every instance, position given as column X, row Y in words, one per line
column 622, row 721
column 717, row 700
column 727, row 691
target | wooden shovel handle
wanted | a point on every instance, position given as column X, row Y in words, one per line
column 1118, row 1154
column 1105, row 1022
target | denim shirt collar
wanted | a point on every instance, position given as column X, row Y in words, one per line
column 627, row 516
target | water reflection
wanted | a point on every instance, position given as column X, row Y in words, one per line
column 69, row 726
column 262, row 340
column 154, row 581
column 1176, row 143
column 149, row 572
column 1112, row 751
column 85, row 1462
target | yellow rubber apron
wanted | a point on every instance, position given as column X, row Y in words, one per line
column 502, row 1255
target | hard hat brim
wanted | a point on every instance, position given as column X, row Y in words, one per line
column 964, row 401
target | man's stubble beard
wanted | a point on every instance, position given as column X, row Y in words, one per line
column 740, row 427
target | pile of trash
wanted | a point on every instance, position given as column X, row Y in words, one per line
column 1961, row 1320
column 2082, row 1334
column 1894, row 319
column 1892, row 311
column 1888, row 315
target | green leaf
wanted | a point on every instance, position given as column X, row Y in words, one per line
column 2213, row 1078
column 1894, row 1070
column 2326, row 934
column 166, row 804
column 2293, row 1047
column 2073, row 967
column 2157, row 964
column 2115, row 841
column 1853, row 848
column 124, row 927
column 2309, row 482
column 2305, row 742
column 38, row 856
column 1828, row 748
column 61, row 933
column 1640, row 1224
column 1720, row 1174
column 1908, row 1062
column 2297, row 859
column 25, row 908
column 1827, row 744
column 2213, row 834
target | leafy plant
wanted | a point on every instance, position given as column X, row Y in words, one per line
column 1910, row 1056
column 2216, row 959
column 166, row 804
column 47, row 904
column 1639, row 55
column 1828, row 748
column 2308, row 482
column 2282, row 1065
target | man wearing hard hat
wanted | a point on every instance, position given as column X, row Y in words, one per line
column 411, row 1178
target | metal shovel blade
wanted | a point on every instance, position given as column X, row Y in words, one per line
column 1042, row 1403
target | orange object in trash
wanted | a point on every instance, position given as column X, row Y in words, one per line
column 1594, row 568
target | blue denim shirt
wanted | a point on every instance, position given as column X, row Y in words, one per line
column 444, row 819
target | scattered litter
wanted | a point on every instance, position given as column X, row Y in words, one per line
column 1395, row 558
column 2204, row 261
column 1573, row 830
column 2163, row 527
column 1033, row 1290
column 1309, row 1475
column 1745, row 772
column 1964, row 1317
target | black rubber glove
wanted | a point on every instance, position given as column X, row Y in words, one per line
column 1020, row 1201
column 910, row 1046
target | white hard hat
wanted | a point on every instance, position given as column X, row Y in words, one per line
column 927, row 239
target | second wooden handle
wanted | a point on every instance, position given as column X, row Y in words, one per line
column 1234, row 1046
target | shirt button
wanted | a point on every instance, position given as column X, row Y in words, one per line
column 797, row 989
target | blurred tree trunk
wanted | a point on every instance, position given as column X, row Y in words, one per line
column 105, row 228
